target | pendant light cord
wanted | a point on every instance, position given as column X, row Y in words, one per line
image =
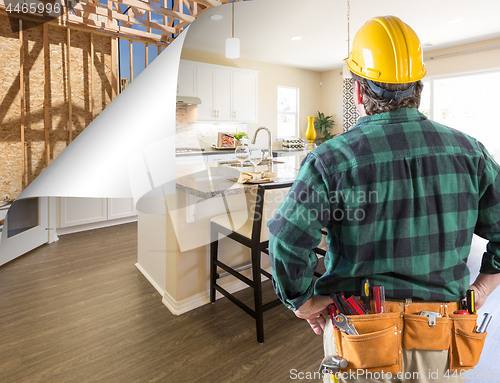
column 348, row 29
column 232, row 35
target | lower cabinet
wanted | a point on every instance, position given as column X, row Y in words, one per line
column 82, row 211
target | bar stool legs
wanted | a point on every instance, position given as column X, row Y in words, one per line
column 257, row 293
column 214, row 248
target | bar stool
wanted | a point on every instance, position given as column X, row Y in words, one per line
column 255, row 235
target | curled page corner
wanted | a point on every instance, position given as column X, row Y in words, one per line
column 129, row 149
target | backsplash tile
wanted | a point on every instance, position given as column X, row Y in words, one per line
column 200, row 134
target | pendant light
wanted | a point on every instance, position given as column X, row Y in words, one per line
column 232, row 43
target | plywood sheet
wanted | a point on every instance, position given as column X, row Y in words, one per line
column 80, row 80
column 102, row 73
column 10, row 104
column 59, row 135
column 34, row 91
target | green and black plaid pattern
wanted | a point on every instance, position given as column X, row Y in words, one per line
column 400, row 197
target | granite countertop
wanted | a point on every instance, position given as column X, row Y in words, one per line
column 212, row 150
column 207, row 151
column 207, row 180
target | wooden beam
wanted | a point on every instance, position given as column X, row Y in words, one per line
column 114, row 69
column 70, row 103
column 159, row 50
column 110, row 11
column 131, row 61
column 157, row 9
column 165, row 19
column 171, row 22
column 92, row 110
column 138, row 11
column 125, row 19
column 119, row 31
column 146, row 46
column 21, row 87
column 74, row 23
column 46, row 93
column 188, row 6
column 210, row 3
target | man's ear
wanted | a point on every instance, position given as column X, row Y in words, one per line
column 358, row 96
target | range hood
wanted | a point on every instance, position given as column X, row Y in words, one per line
column 188, row 100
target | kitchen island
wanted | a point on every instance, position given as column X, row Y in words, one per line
column 173, row 243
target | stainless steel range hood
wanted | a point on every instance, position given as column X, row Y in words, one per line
column 188, row 100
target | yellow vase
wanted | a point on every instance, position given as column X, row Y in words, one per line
column 311, row 132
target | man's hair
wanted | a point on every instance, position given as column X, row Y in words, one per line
column 375, row 104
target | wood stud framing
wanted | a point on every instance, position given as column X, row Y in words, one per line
column 92, row 102
column 131, row 59
column 21, row 85
column 46, row 93
column 114, row 68
column 70, row 104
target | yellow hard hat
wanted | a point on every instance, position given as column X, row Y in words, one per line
column 386, row 49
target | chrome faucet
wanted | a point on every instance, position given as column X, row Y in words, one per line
column 270, row 143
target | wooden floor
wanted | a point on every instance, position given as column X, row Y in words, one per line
column 78, row 310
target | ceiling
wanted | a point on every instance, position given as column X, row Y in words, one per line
column 265, row 27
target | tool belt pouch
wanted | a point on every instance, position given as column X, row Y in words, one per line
column 419, row 335
column 466, row 345
column 378, row 346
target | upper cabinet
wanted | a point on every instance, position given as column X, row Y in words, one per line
column 245, row 106
column 227, row 94
column 186, row 85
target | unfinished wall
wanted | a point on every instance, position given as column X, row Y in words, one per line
column 10, row 101
column 91, row 92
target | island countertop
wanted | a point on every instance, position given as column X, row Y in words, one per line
column 207, row 180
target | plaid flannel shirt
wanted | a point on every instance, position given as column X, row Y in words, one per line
column 400, row 197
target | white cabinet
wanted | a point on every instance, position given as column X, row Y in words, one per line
column 186, row 83
column 98, row 211
column 223, row 95
column 227, row 94
column 245, row 96
column 215, row 91
column 121, row 208
column 205, row 87
column 80, row 211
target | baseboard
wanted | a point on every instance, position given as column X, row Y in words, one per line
column 150, row 280
column 201, row 299
column 95, row 225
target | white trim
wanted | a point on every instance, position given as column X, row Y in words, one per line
column 462, row 74
column 52, row 224
column 150, row 280
column 201, row 299
column 95, row 225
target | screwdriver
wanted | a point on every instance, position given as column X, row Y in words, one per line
column 365, row 294
column 471, row 304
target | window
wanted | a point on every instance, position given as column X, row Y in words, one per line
column 467, row 103
column 288, row 111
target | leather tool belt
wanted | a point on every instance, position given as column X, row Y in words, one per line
column 379, row 345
